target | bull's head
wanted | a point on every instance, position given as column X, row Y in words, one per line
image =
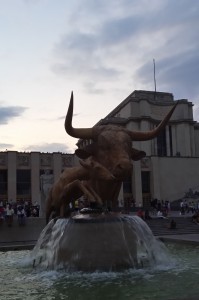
column 112, row 145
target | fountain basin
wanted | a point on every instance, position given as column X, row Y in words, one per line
column 90, row 242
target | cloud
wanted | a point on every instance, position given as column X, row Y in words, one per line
column 10, row 112
column 5, row 147
column 108, row 45
column 176, row 71
column 64, row 117
column 49, row 147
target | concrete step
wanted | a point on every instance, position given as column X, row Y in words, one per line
column 184, row 226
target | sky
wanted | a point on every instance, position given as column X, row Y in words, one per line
column 101, row 50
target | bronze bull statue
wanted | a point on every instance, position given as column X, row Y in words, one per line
column 112, row 147
column 72, row 184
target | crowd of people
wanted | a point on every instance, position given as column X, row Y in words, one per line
column 21, row 210
column 187, row 206
column 161, row 209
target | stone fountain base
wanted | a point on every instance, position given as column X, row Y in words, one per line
column 90, row 242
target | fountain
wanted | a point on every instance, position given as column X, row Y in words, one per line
column 100, row 254
column 88, row 243
column 98, row 240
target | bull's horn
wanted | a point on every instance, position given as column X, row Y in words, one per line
column 148, row 135
column 80, row 133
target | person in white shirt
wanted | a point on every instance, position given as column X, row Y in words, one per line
column 9, row 215
column 160, row 215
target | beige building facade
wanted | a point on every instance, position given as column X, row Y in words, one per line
column 169, row 170
column 23, row 175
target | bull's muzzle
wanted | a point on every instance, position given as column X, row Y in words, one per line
column 122, row 170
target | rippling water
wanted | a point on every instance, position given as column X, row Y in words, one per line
column 179, row 280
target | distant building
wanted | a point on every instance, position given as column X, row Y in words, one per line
column 169, row 170
column 21, row 173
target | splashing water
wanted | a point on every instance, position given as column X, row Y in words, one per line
column 148, row 247
column 100, row 243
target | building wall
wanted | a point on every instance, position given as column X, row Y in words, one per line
column 196, row 143
column 173, row 176
column 37, row 163
column 35, row 175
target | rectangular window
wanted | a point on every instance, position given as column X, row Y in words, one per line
column 161, row 143
column 170, row 140
column 24, row 183
column 127, row 186
column 145, row 182
column 3, row 182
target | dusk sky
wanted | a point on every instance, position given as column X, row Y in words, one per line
column 102, row 50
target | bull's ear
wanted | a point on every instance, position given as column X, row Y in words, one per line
column 137, row 154
column 86, row 151
column 82, row 153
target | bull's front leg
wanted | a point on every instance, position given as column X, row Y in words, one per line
column 89, row 192
column 75, row 190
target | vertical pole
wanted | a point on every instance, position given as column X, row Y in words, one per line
column 154, row 78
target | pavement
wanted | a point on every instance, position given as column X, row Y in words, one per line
column 21, row 237
column 25, row 237
column 192, row 238
column 182, row 238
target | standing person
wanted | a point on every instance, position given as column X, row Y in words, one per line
column 140, row 213
column 147, row 215
column 168, row 206
column 1, row 214
column 9, row 214
column 182, row 208
column 76, row 205
column 21, row 215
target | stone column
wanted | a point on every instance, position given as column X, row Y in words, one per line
column 35, row 181
column 57, row 165
column 174, row 140
column 137, row 183
column 155, row 177
column 168, row 141
column 12, row 176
